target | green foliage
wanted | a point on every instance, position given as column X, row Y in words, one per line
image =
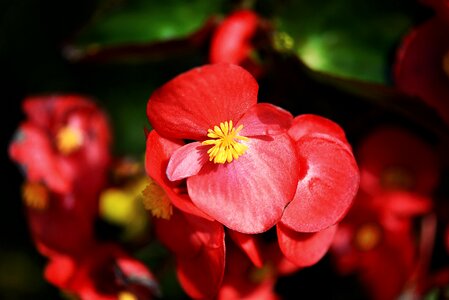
column 144, row 21
column 351, row 38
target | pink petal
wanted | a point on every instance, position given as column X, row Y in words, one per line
column 33, row 150
column 265, row 118
column 158, row 152
column 308, row 124
column 249, row 245
column 304, row 249
column 249, row 194
column 187, row 161
column 195, row 101
column 329, row 181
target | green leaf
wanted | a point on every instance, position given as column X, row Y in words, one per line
column 144, row 21
column 352, row 38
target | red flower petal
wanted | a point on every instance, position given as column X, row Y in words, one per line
column 231, row 41
column 33, row 150
column 249, row 245
column 328, row 184
column 249, row 194
column 187, row 161
column 195, row 101
column 200, row 251
column 263, row 119
column 304, row 249
column 308, row 124
column 201, row 276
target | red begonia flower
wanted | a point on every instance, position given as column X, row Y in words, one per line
column 103, row 272
column 238, row 143
column 232, row 41
column 329, row 176
column 64, row 142
column 422, row 64
column 392, row 159
column 383, row 258
column 63, row 148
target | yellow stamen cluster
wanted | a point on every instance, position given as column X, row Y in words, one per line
column 367, row 237
column 69, row 139
column 156, row 201
column 225, row 140
column 35, row 195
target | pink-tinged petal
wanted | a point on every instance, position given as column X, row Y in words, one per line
column 195, row 101
column 304, row 249
column 309, row 124
column 274, row 256
column 265, row 119
column 249, row 194
column 34, row 152
column 187, row 161
column 249, row 245
column 328, row 183
column 158, row 152
column 231, row 42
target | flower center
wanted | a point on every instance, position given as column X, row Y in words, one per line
column 35, row 195
column 69, row 139
column 156, row 200
column 446, row 63
column 225, row 140
column 396, row 178
column 367, row 237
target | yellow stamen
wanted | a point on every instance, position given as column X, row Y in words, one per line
column 225, row 141
column 157, row 201
column 446, row 63
column 69, row 139
column 367, row 237
column 125, row 295
column 396, row 178
column 35, row 195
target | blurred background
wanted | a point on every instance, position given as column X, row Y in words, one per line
column 329, row 57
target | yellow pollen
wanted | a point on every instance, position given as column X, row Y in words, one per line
column 69, row 139
column 35, row 195
column 446, row 63
column 225, row 140
column 125, row 295
column 367, row 237
column 156, row 200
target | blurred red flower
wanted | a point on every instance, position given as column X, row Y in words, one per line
column 422, row 63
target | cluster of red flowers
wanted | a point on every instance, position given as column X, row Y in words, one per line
column 63, row 149
column 242, row 192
